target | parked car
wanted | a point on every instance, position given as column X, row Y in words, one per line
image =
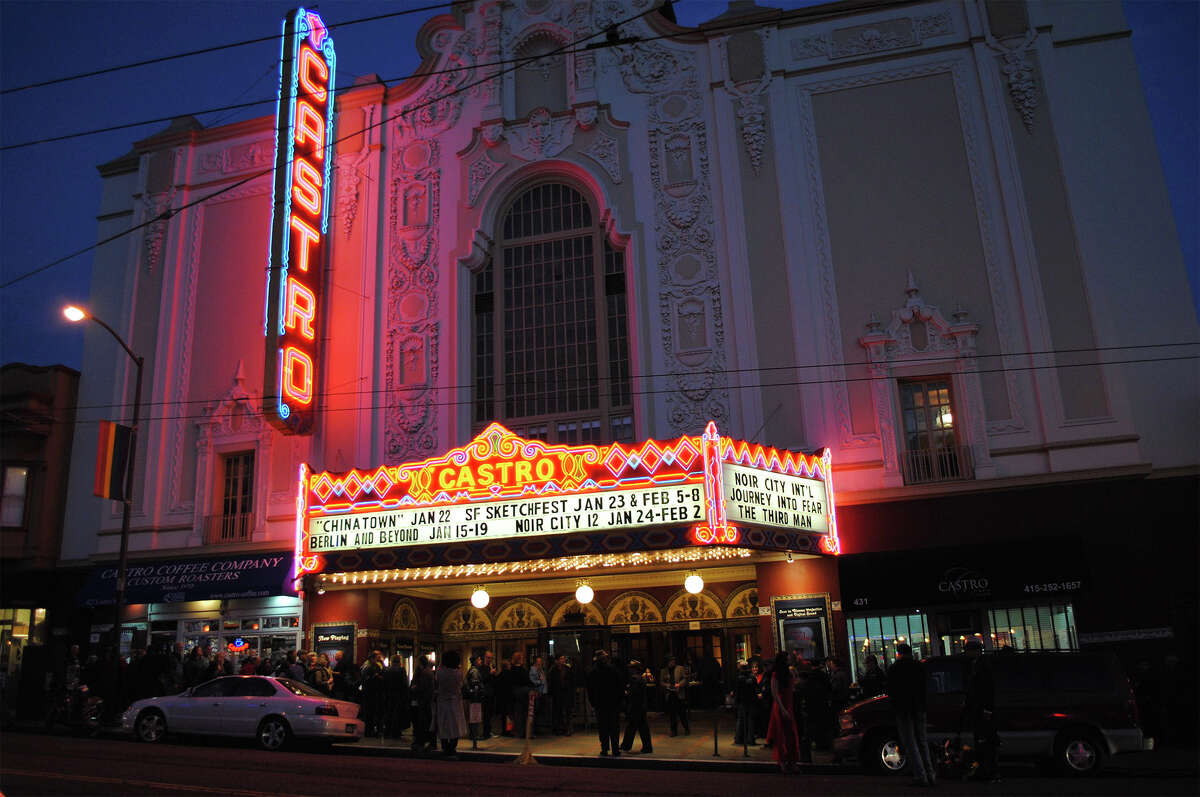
column 270, row 710
column 1067, row 710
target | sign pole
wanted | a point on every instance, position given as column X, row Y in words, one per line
column 526, row 757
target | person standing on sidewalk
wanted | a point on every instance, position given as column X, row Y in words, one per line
column 562, row 694
column 421, row 696
column 981, row 713
column 781, row 733
column 906, row 689
column 673, row 679
column 637, row 686
column 449, row 719
column 605, row 689
column 488, row 673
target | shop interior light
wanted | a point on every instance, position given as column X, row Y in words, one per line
column 320, row 590
column 584, row 592
column 480, row 598
column 694, row 583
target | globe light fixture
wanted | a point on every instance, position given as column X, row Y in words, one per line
column 584, row 593
column 694, row 583
column 480, row 598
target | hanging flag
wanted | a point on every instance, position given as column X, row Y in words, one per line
column 112, row 458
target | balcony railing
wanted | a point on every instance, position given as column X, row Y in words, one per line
column 225, row 529
column 948, row 464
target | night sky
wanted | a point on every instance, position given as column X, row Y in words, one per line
column 50, row 193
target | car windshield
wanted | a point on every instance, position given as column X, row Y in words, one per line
column 297, row 688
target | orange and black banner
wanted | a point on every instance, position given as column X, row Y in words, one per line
column 112, row 458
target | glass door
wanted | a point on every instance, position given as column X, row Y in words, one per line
column 955, row 628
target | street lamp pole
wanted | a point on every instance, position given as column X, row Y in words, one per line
column 78, row 314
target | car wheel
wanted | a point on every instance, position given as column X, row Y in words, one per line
column 884, row 754
column 1079, row 753
column 150, row 726
column 273, row 733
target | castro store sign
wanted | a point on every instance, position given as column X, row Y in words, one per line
column 503, row 486
column 299, row 221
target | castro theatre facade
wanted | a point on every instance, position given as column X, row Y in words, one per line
column 705, row 547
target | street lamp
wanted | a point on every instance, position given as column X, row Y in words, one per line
column 76, row 314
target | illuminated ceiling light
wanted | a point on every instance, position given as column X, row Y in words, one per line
column 584, row 593
column 694, row 583
column 480, row 598
column 320, row 590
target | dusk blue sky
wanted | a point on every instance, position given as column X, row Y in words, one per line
column 50, row 193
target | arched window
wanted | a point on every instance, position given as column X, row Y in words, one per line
column 551, row 334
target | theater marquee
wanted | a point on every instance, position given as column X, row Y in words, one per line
column 500, row 487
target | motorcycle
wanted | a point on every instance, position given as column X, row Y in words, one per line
column 77, row 709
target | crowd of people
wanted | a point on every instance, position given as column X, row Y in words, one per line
column 791, row 704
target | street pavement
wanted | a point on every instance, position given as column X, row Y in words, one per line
column 38, row 764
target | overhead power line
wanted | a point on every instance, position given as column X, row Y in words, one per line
column 167, row 214
column 722, row 27
column 217, row 48
column 725, row 386
column 601, row 381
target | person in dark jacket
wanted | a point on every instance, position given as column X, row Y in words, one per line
column 818, row 696
column 518, row 680
column 502, row 685
column 638, row 684
column 421, row 700
column 395, row 690
column 562, row 696
column 873, row 681
column 745, row 695
column 370, row 679
column 981, row 713
column 606, row 687
column 906, row 692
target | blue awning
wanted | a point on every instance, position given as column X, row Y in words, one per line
column 177, row 580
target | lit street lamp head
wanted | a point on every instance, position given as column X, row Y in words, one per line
column 74, row 314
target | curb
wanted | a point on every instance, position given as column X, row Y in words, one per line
column 626, row 761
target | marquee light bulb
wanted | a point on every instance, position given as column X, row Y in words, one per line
column 584, row 593
column 694, row 584
column 480, row 598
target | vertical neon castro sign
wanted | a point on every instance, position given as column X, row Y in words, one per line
column 299, row 222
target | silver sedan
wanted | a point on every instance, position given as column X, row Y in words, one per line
column 269, row 710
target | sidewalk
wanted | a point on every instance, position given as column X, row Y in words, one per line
column 693, row 751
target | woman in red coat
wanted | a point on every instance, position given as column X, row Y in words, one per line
column 781, row 733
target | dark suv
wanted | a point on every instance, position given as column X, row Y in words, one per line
column 1069, row 710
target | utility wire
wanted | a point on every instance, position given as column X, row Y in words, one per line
column 218, row 48
column 570, row 49
column 725, row 386
column 169, row 212
column 602, row 380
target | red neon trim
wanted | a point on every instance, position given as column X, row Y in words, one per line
column 295, row 361
column 310, row 128
column 300, row 308
column 306, row 186
column 315, row 89
column 307, row 238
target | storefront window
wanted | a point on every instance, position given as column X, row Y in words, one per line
column 878, row 636
column 19, row 628
column 1045, row 627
